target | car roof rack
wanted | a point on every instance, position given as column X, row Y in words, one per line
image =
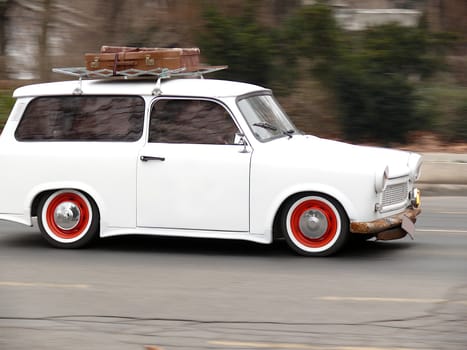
column 158, row 73
column 164, row 73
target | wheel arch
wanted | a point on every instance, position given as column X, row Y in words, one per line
column 35, row 195
column 328, row 193
column 37, row 199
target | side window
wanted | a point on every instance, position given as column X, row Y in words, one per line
column 82, row 118
column 191, row 121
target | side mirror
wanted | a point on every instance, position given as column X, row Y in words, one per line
column 241, row 140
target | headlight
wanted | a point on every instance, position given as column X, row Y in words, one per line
column 414, row 164
column 381, row 179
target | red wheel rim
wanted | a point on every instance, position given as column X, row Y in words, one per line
column 331, row 218
column 84, row 218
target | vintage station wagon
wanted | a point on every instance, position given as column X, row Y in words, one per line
column 192, row 158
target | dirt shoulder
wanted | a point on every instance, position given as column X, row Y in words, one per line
column 431, row 143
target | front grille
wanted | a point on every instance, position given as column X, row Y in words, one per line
column 395, row 194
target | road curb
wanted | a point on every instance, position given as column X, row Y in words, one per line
column 448, row 190
column 443, row 174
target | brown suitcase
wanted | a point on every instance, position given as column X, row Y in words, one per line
column 119, row 58
column 189, row 57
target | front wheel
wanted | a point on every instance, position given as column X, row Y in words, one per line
column 314, row 224
column 68, row 219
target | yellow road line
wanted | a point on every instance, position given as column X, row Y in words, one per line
column 298, row 346
column 42, row 285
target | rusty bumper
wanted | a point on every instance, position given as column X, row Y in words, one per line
column 386, row 228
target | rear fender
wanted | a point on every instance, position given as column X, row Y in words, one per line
column 38, row 190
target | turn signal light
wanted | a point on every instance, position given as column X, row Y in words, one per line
column 416, row 198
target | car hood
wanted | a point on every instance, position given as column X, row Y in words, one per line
column 347, row 156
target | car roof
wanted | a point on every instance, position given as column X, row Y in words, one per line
column 172, row 87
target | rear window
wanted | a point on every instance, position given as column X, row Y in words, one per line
column 82, row 118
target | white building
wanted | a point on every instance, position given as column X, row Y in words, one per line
column 361, row 14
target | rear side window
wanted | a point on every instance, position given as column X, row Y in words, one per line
column 82, row 118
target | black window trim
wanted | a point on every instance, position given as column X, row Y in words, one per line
column 199, row 98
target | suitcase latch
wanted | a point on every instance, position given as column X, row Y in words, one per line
column 95, row 62
column 149, row 60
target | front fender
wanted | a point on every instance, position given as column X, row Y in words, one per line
column 281, row 198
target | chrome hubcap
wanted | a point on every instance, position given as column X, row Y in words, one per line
column 67, row 215
column 313, row 224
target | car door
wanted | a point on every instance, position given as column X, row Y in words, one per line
column 191, row 174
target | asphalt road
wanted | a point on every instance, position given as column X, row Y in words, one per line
column 124, row 293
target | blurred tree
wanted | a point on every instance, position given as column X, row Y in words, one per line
column 281, row 8
column 43, row 40
column 313, row 33
column 460, row 123
column 4, row 7
column 115, row 21
column 239, row 41
column 373, row 82
column 276, row 43
column 371, row 73
column 375, row 108
column 448, row 15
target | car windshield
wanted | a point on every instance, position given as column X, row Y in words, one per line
column 266, row 118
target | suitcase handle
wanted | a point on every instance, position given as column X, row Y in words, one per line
column 95, row 63
column 118, row 63
column 126, row 63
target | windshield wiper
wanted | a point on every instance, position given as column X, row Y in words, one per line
column 266, row 125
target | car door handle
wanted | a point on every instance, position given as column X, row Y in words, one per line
column 146, row 158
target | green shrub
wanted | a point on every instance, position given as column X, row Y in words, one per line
column 394, row 49
column 373, row 74
column 239, row 41
column 312, row 33
column 375, row 107
column 458, row 126
column 453, row 127
column 6, row 103
column 445, row 105
column 369, row 72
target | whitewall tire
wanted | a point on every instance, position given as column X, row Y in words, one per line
column 314, row 224
column 68, row 219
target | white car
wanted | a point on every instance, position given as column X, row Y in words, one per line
column 192, row 158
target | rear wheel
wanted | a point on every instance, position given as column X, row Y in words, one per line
column 68, row 219
column 314, row 224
